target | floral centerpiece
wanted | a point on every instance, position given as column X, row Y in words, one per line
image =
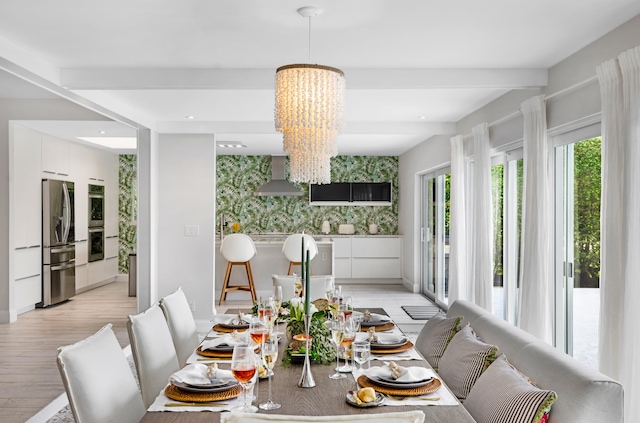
column 322, row 350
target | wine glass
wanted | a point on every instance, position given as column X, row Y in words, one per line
column 350, row 329
column 243, row 367
column 337, row 332
column 329, row 287
column 361, row 352
column 269, row 314
column 258, row 330
column 277, row 298
column 270, row 355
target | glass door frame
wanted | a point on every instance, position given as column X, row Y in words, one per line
column 432, row 251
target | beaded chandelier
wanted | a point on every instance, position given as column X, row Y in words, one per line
column 309, row 112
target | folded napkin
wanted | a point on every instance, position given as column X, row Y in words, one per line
column 223, row 341
column 408, row 374
column 388, row 338
column 374, row 317
column 230, row 319
column 196, row 374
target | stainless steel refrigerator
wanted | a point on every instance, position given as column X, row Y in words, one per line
column 58, row 248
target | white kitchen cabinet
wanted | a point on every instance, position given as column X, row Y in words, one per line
column 55, row 156
column 111, row 268
column 81, row 276
column 368, row 257
column 342, row 257
column 28, row 292
column 110, row 247
column 111, row 194
column 27, row 262
column 82, row 252
column 80, row 158
column 95, row 272
column 27, row 197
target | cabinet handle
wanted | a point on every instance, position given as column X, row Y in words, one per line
column 26, row 277
column 64, row 266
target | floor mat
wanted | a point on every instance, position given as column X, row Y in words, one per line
column 421, row 312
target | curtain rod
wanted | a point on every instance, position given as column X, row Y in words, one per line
column 547, row 97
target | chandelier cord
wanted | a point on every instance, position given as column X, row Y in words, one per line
column 309, row 39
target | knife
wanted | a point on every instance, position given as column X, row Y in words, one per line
column 195, row 404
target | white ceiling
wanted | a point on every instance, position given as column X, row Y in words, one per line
column 159, row 61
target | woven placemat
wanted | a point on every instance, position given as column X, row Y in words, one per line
column 381, row 328
column 403, row 348
column 430, row 387
column 177, row 394
column 214, row 354
column 218, row 354
column 224, row 329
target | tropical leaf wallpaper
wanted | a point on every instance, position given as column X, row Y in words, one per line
column 126, row 208
column 239, row 176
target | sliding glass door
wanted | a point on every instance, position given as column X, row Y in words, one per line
column 578, row 186
column 435, row 235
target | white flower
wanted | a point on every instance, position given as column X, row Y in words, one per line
column 295, row 302
column 313, row 309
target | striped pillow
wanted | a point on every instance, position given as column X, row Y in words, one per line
column 464, row 360
column 504, row 395
column 435, row 336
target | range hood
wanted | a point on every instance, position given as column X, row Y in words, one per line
column 277, row 186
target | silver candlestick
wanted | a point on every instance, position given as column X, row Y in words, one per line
column 306, row 379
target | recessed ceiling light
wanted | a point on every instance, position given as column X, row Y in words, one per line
column 102, row 132
column 230, row 145
column 190, row 117
column 422, row 117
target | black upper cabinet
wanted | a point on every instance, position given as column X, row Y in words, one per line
column 351, row 193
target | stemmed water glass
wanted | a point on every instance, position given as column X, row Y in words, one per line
column 269, row 314
column 336, row 326
column 269, row 356
column 277, row 298
column 329, row 287
column 243, row 367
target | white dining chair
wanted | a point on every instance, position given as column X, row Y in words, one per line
column 414, row 416
column 292, row 249
column 182, row 325
column 98, row 380
column 153, row 351
column 238, row 250
column 287, row 282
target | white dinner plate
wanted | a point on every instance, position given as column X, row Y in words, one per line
column 389, row 383
column 219, row 387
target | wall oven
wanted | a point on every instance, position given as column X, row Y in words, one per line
column 96, row 244
column 96, row 206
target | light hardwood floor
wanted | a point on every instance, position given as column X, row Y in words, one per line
column 29, row 377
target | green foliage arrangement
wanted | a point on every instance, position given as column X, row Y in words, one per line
column 322, row 350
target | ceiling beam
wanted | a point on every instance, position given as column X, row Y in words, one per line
column 264, row 79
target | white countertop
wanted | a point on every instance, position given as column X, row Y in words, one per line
column 267, row 239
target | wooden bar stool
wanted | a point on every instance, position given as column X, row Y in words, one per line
column 292, row 248
column 237, row 249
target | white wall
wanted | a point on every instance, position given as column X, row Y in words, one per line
column 562, row 111
column 186, row 196
column 427, row 156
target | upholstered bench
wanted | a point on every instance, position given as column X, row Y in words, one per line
column 584, row 395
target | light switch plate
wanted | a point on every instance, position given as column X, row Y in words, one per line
column 191, row 230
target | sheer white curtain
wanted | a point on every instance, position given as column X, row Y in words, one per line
column 482, row 218
column 535, row 313
column 458, row 281
column 619, row 329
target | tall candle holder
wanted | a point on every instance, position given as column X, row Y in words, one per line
column 306, row 379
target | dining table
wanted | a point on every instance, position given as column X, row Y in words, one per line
column 327, row 397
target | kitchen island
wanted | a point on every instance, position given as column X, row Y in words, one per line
column 269, row 260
